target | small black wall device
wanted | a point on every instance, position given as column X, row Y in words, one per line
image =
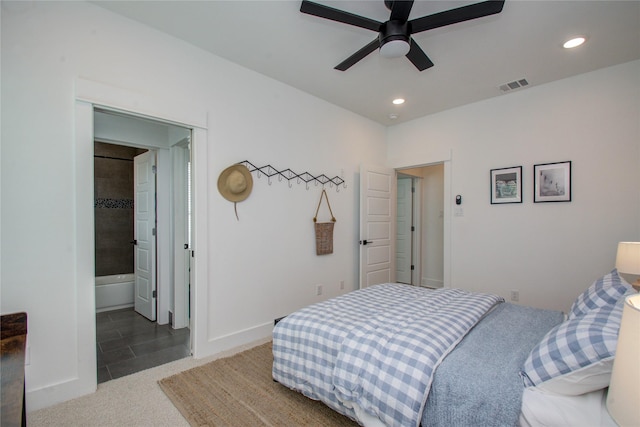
column 458, row 199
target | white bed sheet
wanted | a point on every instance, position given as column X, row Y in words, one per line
column 540, row 409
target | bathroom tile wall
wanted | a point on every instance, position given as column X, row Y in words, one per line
column 113, row 192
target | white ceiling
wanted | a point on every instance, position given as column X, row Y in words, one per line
column 472, row 59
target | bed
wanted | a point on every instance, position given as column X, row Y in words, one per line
column 400, row 355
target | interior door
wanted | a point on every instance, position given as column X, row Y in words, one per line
column 144, row 201
column 377, row 230
column 181, row 236
column 404, row 230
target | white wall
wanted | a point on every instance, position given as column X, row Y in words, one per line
column 550, row 252
column 259, row 268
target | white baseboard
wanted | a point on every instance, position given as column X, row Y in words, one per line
column 234, row 340
column 432, row 283
column 58, row 393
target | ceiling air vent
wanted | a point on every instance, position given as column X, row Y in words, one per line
column 516, row 84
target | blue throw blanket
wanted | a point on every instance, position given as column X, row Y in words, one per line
column 478, row 384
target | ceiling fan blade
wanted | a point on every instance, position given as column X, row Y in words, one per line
column 327, row 12
column 347, row 63
column 417, row 56
column 453, row 16
column 401, row 9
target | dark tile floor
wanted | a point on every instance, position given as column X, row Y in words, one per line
column 127, row 343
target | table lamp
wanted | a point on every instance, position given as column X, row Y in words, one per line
column 624, row 389
column 628, row 260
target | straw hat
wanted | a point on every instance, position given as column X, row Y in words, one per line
column 235, row 183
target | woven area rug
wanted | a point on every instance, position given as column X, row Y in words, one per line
column 239, row 391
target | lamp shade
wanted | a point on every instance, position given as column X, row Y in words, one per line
column 628, row 257
column 624, row 389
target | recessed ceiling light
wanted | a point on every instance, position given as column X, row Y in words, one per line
column 574, row 42
column 398, row 101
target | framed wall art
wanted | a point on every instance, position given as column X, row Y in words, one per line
column 506, row 185
column 552, row 182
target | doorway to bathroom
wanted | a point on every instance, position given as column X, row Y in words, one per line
column 142, row 243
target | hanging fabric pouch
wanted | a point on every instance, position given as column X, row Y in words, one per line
column 324, row 230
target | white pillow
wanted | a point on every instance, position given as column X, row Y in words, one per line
column 583, row 380
column 545, row 409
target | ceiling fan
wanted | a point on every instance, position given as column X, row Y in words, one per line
column 394, row 39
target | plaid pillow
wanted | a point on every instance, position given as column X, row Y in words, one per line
column 603, row 292
column 578, row 346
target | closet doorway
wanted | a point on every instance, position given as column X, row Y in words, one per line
column 420, row 226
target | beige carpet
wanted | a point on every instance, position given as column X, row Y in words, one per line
column 239, row 391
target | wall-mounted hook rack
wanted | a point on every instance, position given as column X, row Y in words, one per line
column 269, row 171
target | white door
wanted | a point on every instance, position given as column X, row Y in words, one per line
column 377, row 210
column 181, row 236
column 144, row 231
column 404, row 230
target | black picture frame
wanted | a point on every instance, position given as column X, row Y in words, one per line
column 552, row 182
column 506, row 185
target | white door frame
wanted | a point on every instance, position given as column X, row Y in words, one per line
column 89, row 95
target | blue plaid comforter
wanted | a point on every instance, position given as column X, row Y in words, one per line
column 376, row 348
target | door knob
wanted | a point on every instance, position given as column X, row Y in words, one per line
column 363, row 242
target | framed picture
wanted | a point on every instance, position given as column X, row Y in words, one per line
column 552, row 182
column 506, row 185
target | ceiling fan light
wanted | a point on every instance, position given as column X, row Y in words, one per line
column 394, row 48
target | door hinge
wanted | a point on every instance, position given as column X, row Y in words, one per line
column 153, row 231
column 155, row 294
column 413, row 267
column 154, row 169
column 413, row 189
column 413, row 228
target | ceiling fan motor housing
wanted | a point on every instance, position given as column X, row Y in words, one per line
column 394, row 38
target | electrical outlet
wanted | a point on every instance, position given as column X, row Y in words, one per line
column 341, row 284
column 318, row 289
column 515, row 295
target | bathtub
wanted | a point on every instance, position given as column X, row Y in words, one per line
column 114, row 292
